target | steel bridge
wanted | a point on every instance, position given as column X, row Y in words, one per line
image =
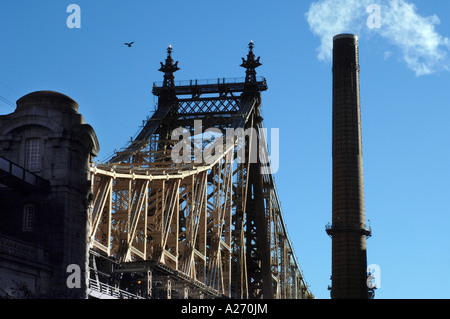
column 197, row 217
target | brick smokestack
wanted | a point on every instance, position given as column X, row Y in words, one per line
column 348, row 230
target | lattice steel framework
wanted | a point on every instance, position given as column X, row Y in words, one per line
column 211, row 224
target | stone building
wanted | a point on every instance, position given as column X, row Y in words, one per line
column 46, row 148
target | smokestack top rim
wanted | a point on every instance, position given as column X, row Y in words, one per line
column 345, row 36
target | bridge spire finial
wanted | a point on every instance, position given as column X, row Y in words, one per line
column 169, row 68
column 250, row 64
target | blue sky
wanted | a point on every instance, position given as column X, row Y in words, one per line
column 405, row 97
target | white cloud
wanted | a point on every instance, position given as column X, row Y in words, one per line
column 387, row 55
column 423, row 49
column 327, row 18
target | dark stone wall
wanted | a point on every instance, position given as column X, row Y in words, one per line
column 65, row 149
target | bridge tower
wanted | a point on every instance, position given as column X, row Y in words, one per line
column 206, row 222
column 220, row 113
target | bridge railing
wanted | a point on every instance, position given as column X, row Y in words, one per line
column 15, row 172
column 101, row 290
column 209, row 81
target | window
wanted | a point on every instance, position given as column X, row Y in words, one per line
column 33, row 154
column 28, row 218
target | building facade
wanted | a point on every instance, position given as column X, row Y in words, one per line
column 46, row 149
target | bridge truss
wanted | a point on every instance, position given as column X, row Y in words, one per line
column 197, row 217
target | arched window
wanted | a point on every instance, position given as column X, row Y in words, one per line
column 33, row 154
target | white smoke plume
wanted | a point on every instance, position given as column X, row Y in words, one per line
column 422, row 48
